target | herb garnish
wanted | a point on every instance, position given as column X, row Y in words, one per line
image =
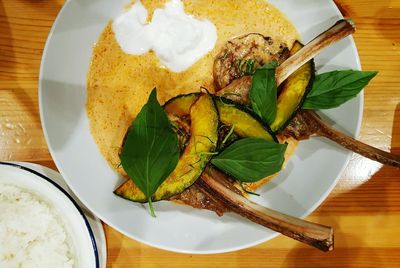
column 263, row 92
column 246, row 67
column 332, row 89
column 251, row 159
column 151, row 149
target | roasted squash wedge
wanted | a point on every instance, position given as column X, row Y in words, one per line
column 180, row 105
column 293, row 93
column 202, row 142
column 244, row 121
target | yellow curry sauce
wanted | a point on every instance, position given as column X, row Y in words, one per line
column 118, row 84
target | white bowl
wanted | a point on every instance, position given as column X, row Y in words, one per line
column 76, row 225
column 306, row 181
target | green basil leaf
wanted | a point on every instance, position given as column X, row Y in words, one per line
column 251, row 159
column 332, row 89
column 263, row 92
column 151, row 150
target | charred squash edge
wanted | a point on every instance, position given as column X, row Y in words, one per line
column 283, row 125
column 128, row 184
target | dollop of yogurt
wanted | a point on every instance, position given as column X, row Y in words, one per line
column 179, row 40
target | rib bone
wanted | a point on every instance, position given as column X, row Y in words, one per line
column 316, row 235
column 317, row 126
column 238, row 90
column 337, row 32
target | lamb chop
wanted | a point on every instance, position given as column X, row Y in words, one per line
column 215, row 190
column 220, row 186
column 306, row 123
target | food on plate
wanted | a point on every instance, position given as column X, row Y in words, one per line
column 293, row 92
column 231, row 115
column 330, row 90
column 197, row 152
column 336, row 88
column 32, row 233
column 118, row 84
column 243, row 55
column 247, row 124
column 308, row 123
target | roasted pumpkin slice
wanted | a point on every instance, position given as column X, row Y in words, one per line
column 201, row 145
column 130, row 191
column 180, row 105
column 293, row 93
column 245, row 122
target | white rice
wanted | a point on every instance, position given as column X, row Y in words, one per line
column 31, row 232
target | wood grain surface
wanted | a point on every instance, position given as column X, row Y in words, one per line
column 364, row 207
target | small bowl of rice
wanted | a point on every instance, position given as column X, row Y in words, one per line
column 40, row 223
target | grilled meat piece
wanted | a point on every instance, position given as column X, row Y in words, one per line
column 238, row 90
column 197, row 197
column 305, row 123
column 298, row 128
column 243, row 55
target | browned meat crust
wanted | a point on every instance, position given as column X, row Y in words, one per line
column 242, row 55
column 299, row 128
column 197, row 197
column 238, row 90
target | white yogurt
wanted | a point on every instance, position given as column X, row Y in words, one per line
column 179, row 40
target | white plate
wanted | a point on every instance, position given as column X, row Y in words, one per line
column 298, row 190
column 76, row 224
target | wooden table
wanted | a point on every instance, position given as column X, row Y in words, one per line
column 364, row 207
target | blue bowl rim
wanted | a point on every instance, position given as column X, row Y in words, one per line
column 91, row 234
